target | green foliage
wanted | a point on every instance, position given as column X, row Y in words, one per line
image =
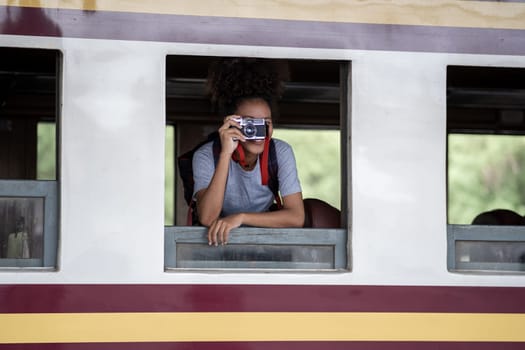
column 485, row 172
column 169, row 180
column 46, row 151
column 317, row 154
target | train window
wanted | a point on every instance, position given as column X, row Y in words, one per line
column 486, row 166
column 28, row 158
column 313, row 107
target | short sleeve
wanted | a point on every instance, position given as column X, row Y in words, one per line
column 288, row 178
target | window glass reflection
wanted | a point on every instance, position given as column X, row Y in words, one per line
column 255, row 256
column 21, row 227
column 485, row 251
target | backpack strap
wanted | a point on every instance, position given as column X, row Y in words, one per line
column 216, row 149
column 185, row 165
column 263, row 158
column 273, row 173
column 192, row 218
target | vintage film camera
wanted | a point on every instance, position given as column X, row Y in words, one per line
column 252, row 128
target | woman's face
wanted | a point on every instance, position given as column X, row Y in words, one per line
column 255, row 108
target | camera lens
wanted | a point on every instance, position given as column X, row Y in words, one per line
column 250, row 130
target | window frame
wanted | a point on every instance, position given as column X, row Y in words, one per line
column 335, row 239
column 338, row 239
column 472, row 99
column 483, row 233
column 48, row 190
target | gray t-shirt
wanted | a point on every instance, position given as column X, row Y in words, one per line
column 244, row 191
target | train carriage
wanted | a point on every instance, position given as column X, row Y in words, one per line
column 98, row 98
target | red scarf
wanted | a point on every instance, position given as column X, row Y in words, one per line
column 240, row 158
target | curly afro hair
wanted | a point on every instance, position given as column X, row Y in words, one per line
column 233, row 80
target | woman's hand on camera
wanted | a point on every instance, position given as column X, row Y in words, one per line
column 230, row 134
column 219, row 230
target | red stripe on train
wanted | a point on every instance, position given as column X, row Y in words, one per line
column 256, row 298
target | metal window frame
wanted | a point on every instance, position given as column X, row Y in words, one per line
column 334, row 238
column 48, row 190
column 483, row 233
column 338, row 239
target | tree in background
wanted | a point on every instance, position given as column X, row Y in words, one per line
column 485, row 172
column 46, row 151
column 318, row 158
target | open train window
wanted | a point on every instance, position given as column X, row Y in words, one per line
column 312, row 118
column 28, row 157
column 486, row 168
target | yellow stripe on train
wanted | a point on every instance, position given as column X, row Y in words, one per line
column 260, row 326
column 452, row 13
